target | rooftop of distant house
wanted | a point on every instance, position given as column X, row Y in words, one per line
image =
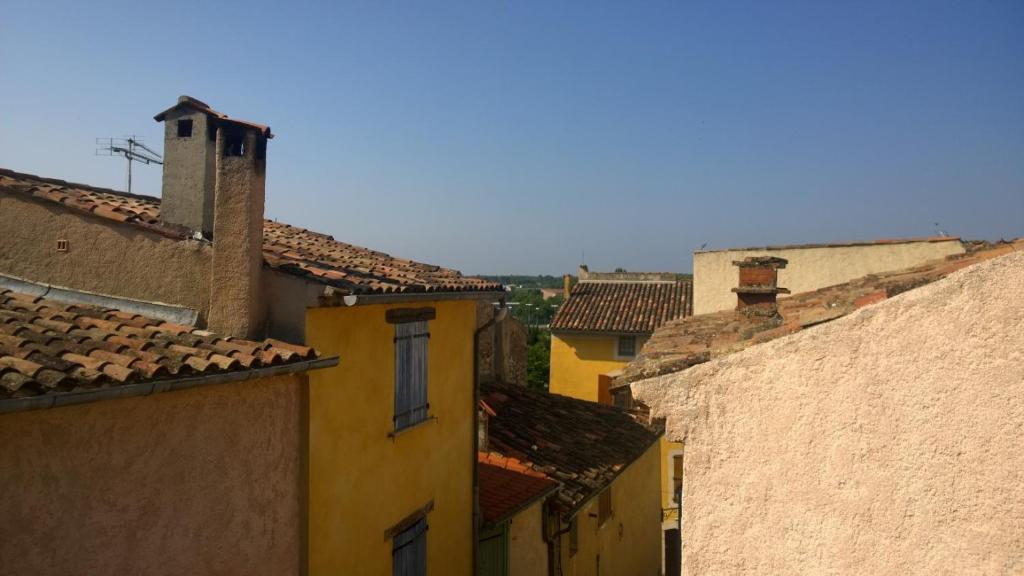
column 54, row 353
column 319, row 257
column 583, row 445
column 878, row 242
column 685, row 342
column 623, row 302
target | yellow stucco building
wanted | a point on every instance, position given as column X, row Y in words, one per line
column 389, row 470
column 600, row 328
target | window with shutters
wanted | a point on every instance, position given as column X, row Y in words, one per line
column 411, row 405
column 409, row 551
column 626, row 347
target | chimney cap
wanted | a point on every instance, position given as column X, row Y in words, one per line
column 185, row 101
column 761, row 262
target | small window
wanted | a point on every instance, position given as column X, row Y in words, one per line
column 677, row 478
column 185, row 128
column 411, row 405
column 409, row 551
column 62, row 245
column 604, row 506
column 627, row 346
column 234, row 145
column 574, row 537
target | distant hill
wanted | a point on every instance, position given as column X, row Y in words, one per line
column 525, row 281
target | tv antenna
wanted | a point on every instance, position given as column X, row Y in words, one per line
column 131, row 148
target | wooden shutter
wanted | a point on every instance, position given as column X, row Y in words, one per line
column 411, row 406
column 409, row 551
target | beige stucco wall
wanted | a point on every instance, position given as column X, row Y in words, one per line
column 527, row 551
column 103, row 257
column 714, row 275
column 629, row 542
column 208, row 480
column 886, row 442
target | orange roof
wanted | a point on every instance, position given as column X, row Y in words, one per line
column 507, row 486
column 318, row 257
column 623, row 307
column 49, row 348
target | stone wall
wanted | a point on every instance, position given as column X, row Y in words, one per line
column 885, row 442
column 501, row 356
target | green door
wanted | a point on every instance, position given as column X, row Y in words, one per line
column 493, row 551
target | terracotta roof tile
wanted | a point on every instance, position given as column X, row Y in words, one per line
column 41, row 355
column 685, row 342
column 319, row 257
column 623, row 307
column 507, row 486
column 583, row 445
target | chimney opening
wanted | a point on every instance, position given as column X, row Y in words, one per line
column 234, row 144
column 185, row 128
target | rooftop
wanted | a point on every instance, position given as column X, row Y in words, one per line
column 583, row 445
column 623, row 307
column 685, row 342
column 883, row 241
column 48, row 348
column 318, row 257
column 507, row 486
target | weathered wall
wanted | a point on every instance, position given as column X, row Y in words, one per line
column 527, row 551
column 201, row 481
column 287, row 297
column 885, row 442
column 578, row 359
column 362, row 480
column 501, row 354
column 714, row 275
column 103, row 257
column 629, row 542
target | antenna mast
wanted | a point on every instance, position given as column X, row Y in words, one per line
column 131, row 148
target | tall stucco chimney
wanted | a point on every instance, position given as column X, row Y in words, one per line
column 190, row 132
column 214, row 183
column 566, row 287
column 759, row 285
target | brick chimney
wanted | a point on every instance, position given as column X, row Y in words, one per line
column 759, row 285
column 214, row 184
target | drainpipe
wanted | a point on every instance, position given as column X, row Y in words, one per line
column 498, row 317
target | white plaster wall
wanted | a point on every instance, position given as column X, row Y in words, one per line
column 714, row 275
column 890, row 441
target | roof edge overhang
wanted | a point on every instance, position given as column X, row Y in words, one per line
column 578, row 332
column 358, row 299
column 46, row 401
column 597, row 492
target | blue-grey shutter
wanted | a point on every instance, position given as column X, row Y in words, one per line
column 411, row 340
column 409, row 552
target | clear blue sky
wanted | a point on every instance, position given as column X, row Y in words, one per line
column 509, row 137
